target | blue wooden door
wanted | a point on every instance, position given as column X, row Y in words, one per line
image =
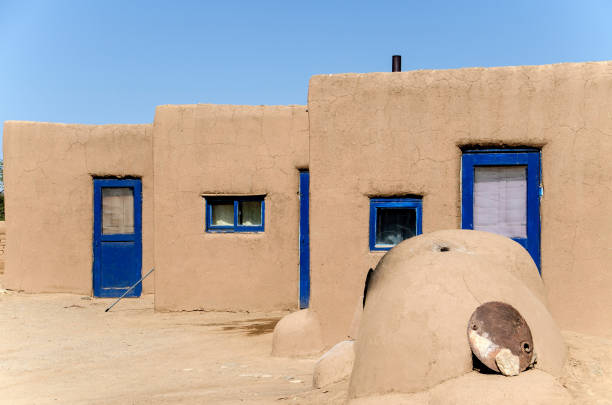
column 304, row 239
column 501, row 194
column 117, row 237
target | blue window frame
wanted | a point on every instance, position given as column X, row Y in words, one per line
column 393, row 220
column 514, row 211
column 235, row 214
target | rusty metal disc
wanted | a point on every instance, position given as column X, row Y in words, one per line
column 495, row 326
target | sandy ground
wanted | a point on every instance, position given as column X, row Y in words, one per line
column 64, row 349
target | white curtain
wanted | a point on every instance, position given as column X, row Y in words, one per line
column 117, row 210
column 250, row 213
column 500, row 200
column 223, row 214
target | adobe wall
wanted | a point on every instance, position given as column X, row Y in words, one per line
column 384, row 134
column 2, row 246
column 227, row 150
column 49, row 171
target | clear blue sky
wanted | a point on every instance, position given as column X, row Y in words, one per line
column 109, row 61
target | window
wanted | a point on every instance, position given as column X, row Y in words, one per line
column 117, row 210
column 500, row 196
column 392, row 220
column 235, row 214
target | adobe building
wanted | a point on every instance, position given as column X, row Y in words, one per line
column 229, row 157
column 49, row 181
column 261, row 208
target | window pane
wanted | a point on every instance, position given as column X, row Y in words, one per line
column 393, row 225
column 222, row 214
column 249, row 213
column 117, row 210
column 500, row 200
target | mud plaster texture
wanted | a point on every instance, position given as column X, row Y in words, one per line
column 48, row 175
column 203, row 150
column 413, row 332
column 2, row 245
column 364, row 135
column 335, row 365
column 390, row 134
column 297, row 334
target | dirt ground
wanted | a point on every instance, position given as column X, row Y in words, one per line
column 64, row 349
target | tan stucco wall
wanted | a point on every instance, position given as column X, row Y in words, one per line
column 385, row 134
column 230, row 150
column 2, row 246
column 48, row 176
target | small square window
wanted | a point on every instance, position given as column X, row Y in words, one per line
column 117, row 210
column 235, row 214
column 392, row 220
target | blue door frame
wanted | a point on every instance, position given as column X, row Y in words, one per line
column 515, row 157
column 117, row 262
column 304, row 239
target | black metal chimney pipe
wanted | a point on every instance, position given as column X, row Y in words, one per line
column 396, row 65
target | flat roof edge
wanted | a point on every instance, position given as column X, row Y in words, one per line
column 466, row 68
column 288, row 106
column 76, row 124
